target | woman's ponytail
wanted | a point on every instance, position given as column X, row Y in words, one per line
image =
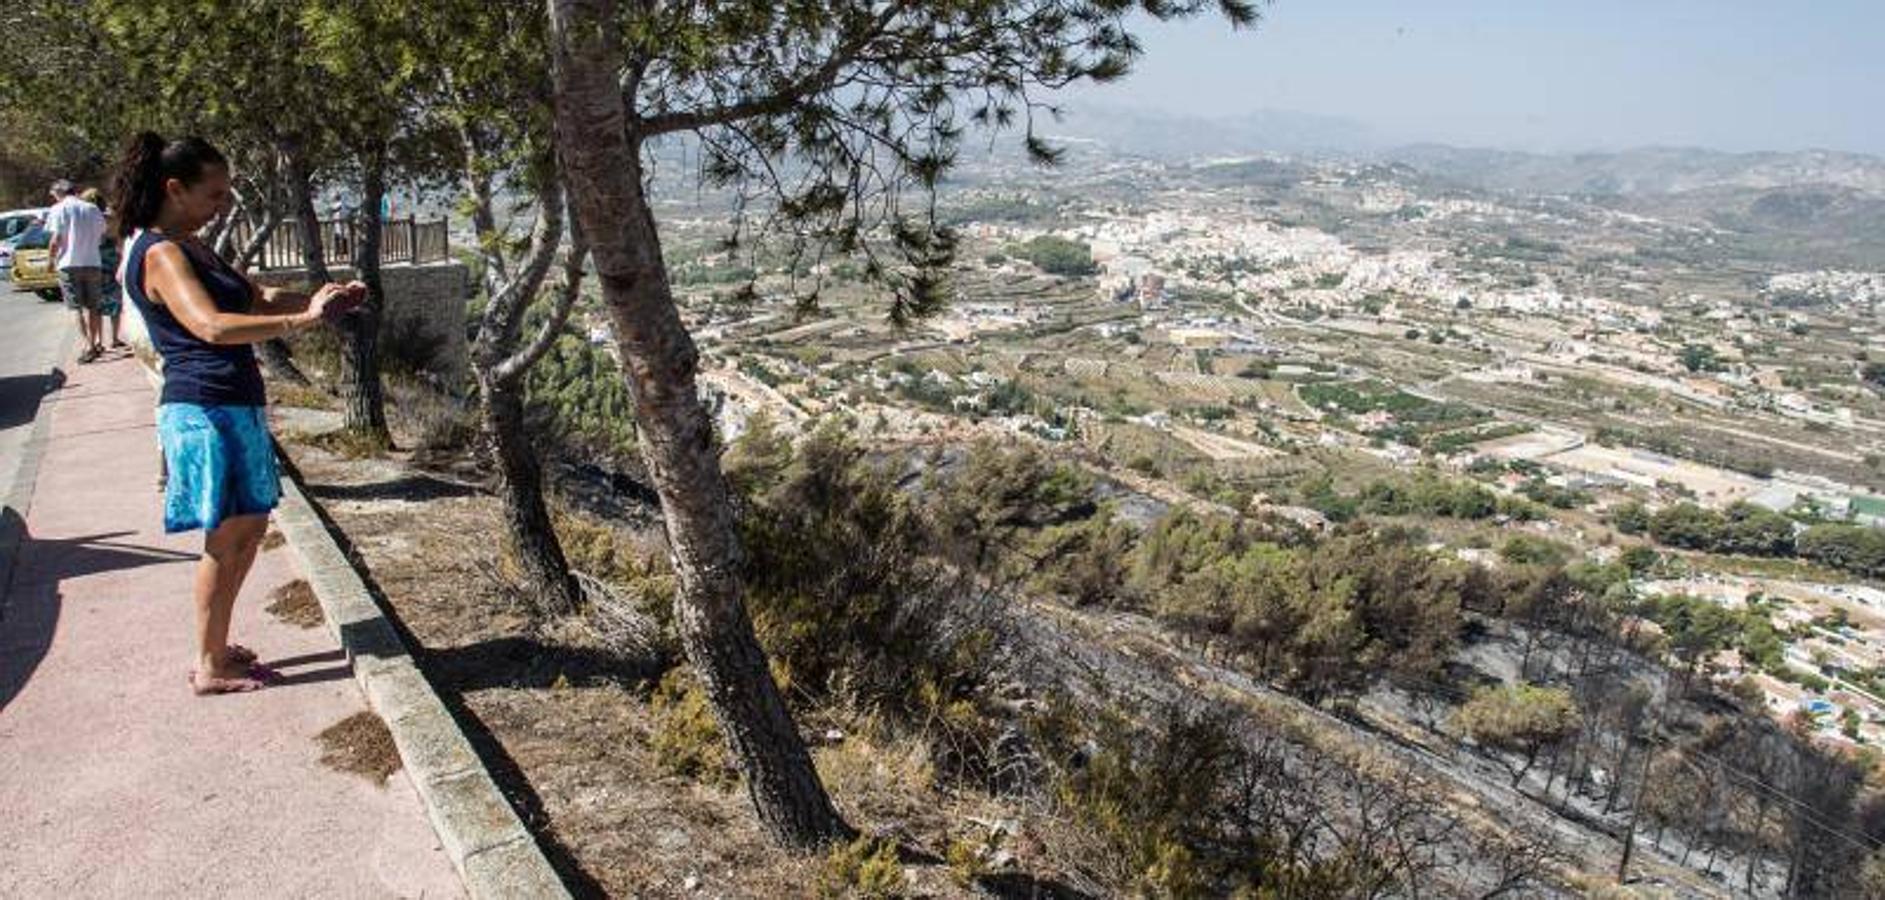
column 137, row 191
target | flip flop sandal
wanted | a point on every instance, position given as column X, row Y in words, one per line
column 205, row 687
column 258, row 671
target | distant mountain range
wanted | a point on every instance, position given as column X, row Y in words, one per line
column 1173, row 137
column 1649, row 170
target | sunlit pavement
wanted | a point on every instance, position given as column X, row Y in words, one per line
column 116, row 780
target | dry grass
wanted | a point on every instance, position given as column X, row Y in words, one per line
column 304, row 396
column 584, row 732
column 424, row 416
column 295, row 604
column 879, row 780
column 348, row 443
column 360, row 744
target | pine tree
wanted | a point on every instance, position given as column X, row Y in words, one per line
column 865, row 99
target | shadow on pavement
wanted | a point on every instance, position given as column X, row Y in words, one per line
column 340, row 668
column 26, row 617
column 20, row 396
column 307, row 659
column 56, row 559
column 30, row 604
column 314, row 676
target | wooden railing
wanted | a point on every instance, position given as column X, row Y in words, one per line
column 401, row 241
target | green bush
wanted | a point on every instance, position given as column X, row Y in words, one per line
column 1554, row 496
column 1522, row 719
column 1321, row 619
column 687, row 740
column 576, row 394
column 1741, row 528
column 1526, row 550
column 1639, row 559
column 1056, row 255
column 1086, row 562
column 1630, row 518
column 1854, row 548
column 867, row 868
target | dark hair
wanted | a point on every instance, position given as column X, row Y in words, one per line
column 137, row 193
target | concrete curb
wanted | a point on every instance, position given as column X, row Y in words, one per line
column 494, row 853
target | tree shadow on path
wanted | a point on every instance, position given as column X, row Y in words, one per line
column 31, row 572
column 21, row 395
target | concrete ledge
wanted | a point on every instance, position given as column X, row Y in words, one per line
column 470, row 814
column 495, row 855
column 512, row 871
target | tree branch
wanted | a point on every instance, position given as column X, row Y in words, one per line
column 483, row 223
column 222, row 231
column 259, row 240
column 778, row 101
column 566, row 296
column 504, row 309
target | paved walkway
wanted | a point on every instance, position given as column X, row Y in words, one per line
column 115, row 781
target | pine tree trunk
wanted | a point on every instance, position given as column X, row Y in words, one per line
column 246, row 255
column 1754, row 849
column 278, row 362
column 602, row 163
column 1531, row 757
column 502, row 367
column 529, row 538
column 220, row 233
column 483, row 223
column 362, row 403
column 1616, row 783
column 1551, row 770
column 301, row 190
column 1795, row 857
column 274, row 354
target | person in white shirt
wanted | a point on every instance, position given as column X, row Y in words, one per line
column 77, row 227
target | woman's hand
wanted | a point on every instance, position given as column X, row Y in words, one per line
column 335, row 300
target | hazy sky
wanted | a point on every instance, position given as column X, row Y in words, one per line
column 1541, row 74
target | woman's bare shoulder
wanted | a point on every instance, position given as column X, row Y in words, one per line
column 166, row 268
column 167, row 253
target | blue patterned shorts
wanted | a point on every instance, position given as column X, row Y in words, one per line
column 221, row 461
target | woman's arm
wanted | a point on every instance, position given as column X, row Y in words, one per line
column 282, row 301
column 278, row 300
column 174, row 284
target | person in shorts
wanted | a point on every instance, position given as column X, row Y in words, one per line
column 203, row 317
column 77, row 227
column 111, row 301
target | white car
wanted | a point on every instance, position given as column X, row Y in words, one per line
column 13, row 224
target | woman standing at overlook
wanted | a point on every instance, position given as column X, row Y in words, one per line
column 202, row 316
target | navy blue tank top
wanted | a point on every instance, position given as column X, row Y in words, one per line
column 196, row 371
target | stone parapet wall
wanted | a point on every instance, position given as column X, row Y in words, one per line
column 424, row 315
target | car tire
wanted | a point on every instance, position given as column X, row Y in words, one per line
column 50, row 295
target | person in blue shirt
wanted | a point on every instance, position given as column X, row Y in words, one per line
column 203, row 317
